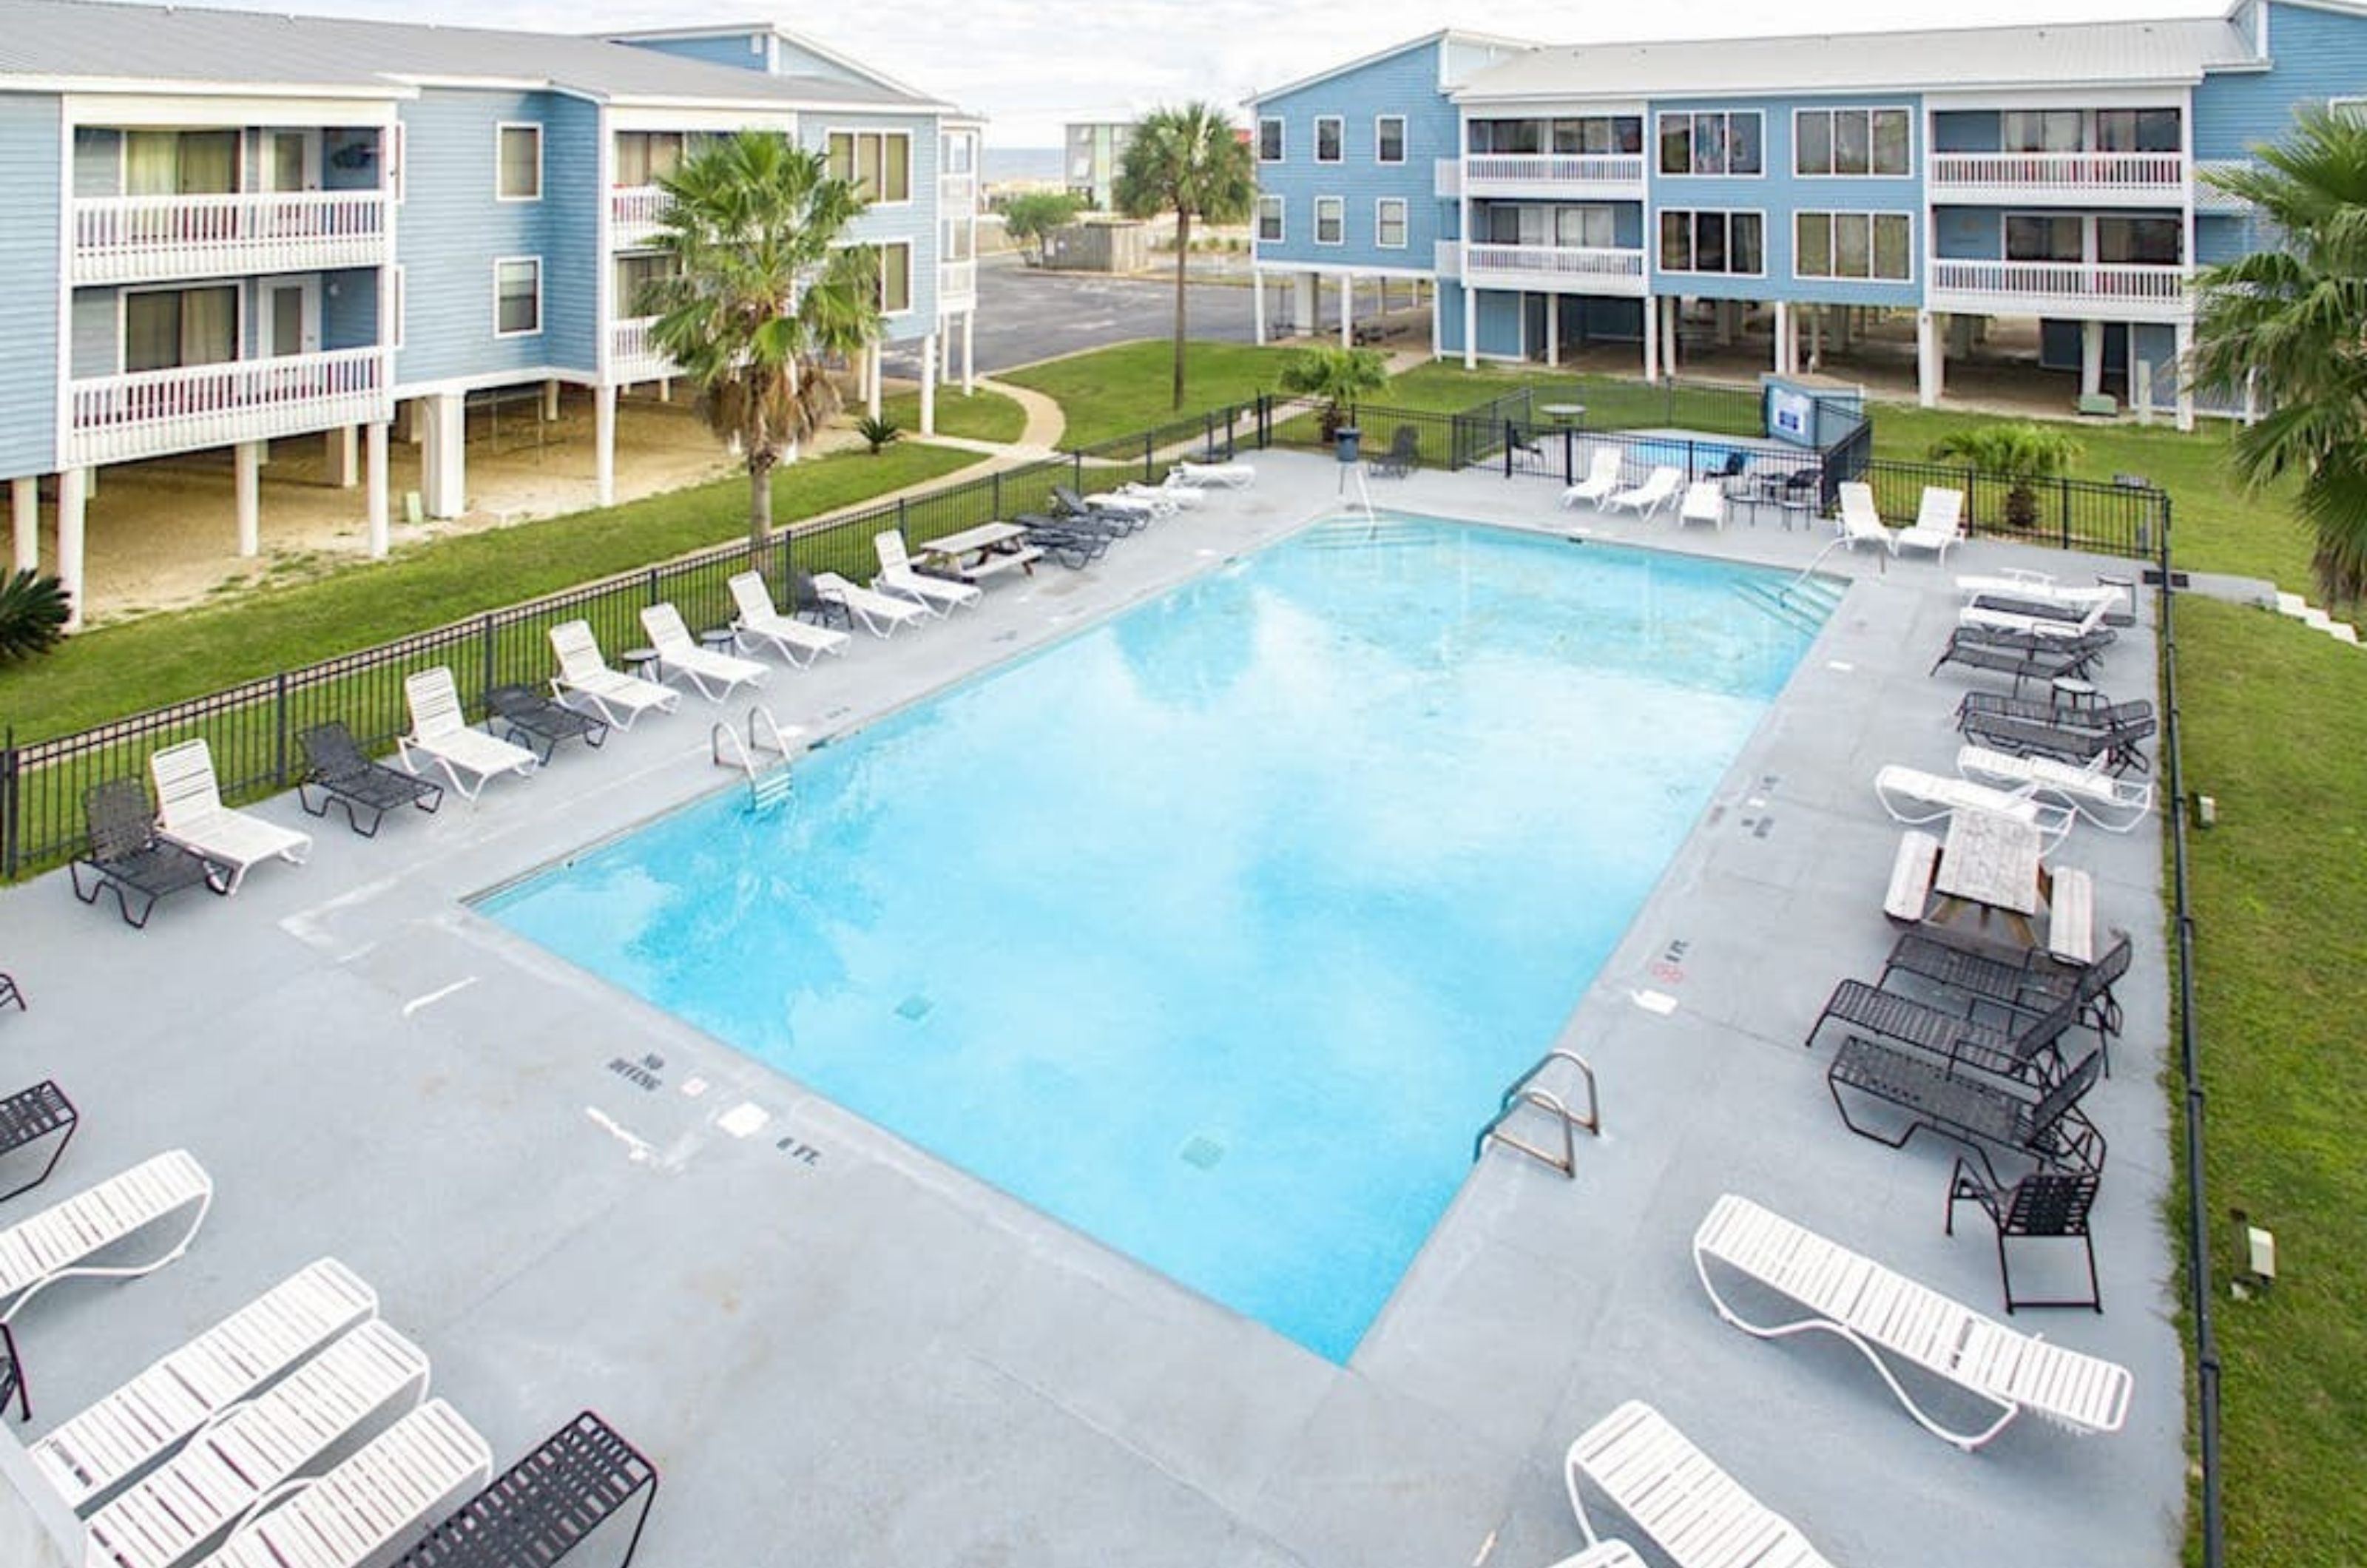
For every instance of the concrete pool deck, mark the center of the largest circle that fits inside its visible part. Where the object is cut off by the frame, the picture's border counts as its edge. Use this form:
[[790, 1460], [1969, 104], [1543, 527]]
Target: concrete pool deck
[[838, 1348]]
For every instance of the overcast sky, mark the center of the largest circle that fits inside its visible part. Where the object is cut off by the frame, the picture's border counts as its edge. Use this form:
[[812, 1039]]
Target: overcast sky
[[1030, 66]]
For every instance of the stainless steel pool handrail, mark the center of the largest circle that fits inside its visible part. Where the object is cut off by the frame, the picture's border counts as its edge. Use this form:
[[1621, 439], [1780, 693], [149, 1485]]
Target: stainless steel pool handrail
[[1525, 1092]]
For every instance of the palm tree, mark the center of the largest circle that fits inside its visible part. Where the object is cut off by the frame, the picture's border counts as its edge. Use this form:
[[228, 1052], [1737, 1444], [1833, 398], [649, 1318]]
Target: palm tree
[[1188, 162], [2021, 452], [1338, 376], [761, 292], [2295, 315]]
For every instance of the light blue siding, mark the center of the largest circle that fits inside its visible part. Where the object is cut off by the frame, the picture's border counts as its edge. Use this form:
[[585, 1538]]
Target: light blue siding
[[29, 160], [1500, 321], [2318, 55], [914, 221], [95, 318], [572, 265], [2225, 236], [717, 48], [349, 159], [789, 59], [1405, 83]]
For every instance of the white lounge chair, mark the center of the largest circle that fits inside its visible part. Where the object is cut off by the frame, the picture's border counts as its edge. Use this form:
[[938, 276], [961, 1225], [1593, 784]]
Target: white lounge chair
[[2035, 625], [1705, 502], [936, 594], [2106, 800], [584, 672], [1678, 1496], [408, 1477], [716, 673], [1171, 496], [1602, 479], [1659, 489], [190, 813], [1939, 523], [1860, 522], [1884, 1314], [2038, 587], [60, 1242], [441, 733], [88, 1455], [760, 619], [1913, 796], [880, 613], [236, 1461], [1232, 476]]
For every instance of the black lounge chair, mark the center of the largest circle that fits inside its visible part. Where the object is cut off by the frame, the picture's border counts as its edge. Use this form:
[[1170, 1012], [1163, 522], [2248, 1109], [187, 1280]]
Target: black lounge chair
[[2023, 656], [1979, 1110], [2067, 735], [808, 603], [1125, 519], [1067, 539], [2029, 986], [9, 993], [126, 854], [1403, 456], [336, 771], [2080, 713], [31, 1114], [540, 723], [544, 1506], [2022, 1048], [2044, 1205]]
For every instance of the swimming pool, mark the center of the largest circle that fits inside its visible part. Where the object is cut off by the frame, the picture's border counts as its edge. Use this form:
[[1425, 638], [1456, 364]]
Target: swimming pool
[[1216, 931]]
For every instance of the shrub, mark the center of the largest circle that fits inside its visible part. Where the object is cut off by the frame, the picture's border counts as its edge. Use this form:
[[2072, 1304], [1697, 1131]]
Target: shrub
[[878, 433], [33, 611]]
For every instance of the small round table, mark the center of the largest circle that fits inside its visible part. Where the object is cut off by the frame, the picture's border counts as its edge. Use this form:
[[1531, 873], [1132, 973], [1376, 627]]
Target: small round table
[[640, 661], [718, 640], [1569, 416]]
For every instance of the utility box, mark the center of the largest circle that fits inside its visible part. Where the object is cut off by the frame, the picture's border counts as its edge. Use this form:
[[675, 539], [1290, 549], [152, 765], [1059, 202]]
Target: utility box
[[1123, 246]]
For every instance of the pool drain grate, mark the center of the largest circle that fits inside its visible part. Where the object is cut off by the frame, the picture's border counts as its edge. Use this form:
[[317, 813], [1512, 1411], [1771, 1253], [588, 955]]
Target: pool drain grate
[[915, 1008], [1201, 1152]]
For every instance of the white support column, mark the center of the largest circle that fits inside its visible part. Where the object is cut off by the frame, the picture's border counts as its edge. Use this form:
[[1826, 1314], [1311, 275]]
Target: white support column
[[24, 501], [341, 463], [247, 468], [1438, 326], [603, 444], [1674, 305], [1470, 326], [2091, 358], [929, 385], [871, 380], [1304, 298], [70, 496], [1347, 307], [1257, 307], [2252, 396], [969, 349], [1783, 335], [550, 400], [1816, 335], [665, 389], [2185, 339], [374, 487], [1553, 331], [1931, 362], [444, 454], [1651, 338]]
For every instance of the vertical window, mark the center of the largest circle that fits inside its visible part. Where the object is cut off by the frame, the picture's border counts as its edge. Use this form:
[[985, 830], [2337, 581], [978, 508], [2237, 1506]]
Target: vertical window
[[895, 277], [2041, 130], [518, 173], [2045, 238], [635, 274], [165, 328], [1329, 137], [1712, 143], [1852, 245], [1389, 223], [1331, 218], [1713, 241], [645, 157], [1269, 219], [1389, 139], [2150, 240], [1270, 139], [1851, 141], [180, 163], [517, 296], [1584, 228], [877, 164]]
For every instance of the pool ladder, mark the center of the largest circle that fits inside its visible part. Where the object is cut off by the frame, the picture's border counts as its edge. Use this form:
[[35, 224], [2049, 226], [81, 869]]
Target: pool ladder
[[1527, 1093], [767, 787]]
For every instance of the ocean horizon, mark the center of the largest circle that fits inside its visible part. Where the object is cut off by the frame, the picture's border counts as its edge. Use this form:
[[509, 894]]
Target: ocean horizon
[[1021, 163]]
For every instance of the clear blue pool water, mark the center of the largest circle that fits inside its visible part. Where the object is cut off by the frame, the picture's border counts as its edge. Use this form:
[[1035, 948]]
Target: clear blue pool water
[[1706, 457], [1216, 931]]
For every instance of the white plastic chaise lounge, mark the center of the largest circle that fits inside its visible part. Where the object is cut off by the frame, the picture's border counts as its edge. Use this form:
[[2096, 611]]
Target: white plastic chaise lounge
[[189, 812], [234, 1463], [897, 575], [717, 675], [880, 613], [1234, 474], [442, 734], [584, 672], [1914, 797], [1602, 479], [1171, 493], [2108, 801], [1861, 520], [2040, 587], [2065, 626], [1659, 489], [760, 619], [1692, 1511], [409, 1476], [1705, 502], [88, 1455], [60, 1242], [1885, 1315], [1939, 523]]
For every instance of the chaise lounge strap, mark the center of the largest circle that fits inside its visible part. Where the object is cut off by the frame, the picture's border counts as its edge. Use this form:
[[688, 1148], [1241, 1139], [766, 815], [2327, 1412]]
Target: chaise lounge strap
[[545, 1505]]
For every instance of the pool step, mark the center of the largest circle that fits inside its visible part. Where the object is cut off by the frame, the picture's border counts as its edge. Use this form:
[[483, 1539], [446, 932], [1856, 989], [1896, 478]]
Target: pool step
[[1803, 603], [769, 789], [1359, 534]]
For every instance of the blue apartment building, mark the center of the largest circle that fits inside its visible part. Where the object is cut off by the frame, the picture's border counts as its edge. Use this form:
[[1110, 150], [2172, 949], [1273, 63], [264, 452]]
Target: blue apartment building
[[230, 228], [1651, 195]]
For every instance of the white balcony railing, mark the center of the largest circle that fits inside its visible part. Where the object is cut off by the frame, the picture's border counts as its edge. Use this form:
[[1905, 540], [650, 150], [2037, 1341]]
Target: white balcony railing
[[634, 212], [957, 194], [130, 238], [1446, 179], [2147, 288], [1446, 257], [148, 414], [633, 357], [1577, 268], [1484, 171], [956, 283], [2152, 177]]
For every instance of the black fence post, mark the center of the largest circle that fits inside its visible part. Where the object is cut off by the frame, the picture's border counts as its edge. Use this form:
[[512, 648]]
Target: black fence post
[[9, 803], [1508, 448], [485, 658], [903, 517], [998, 494], [2063, 487], [1150, 444], [279, 735], [1077, 469]]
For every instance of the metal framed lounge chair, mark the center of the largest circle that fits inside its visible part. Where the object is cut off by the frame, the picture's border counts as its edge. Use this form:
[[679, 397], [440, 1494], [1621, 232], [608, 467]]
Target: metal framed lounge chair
[[336, 771], [2023, 1047], [537, 722], [584, 672], [759, 620], [2023, 657], [715, 673], [2115, 804], [1126, 517], [1234, 474], [356, 1515], [1403, 456], [898, 576], [547, 1503], [1693, 1511], [1660, 489], [1705, 502], [1888, 1318], [1939, 523], [2015, 586], [1602, 479], [2036, 620], [2081, 739], [11, 992], [1072, 547], [125, 854], [90, 1454], [440, 733], [880, 613], [2045, 1205], [1861, 521], [190, 811], [31, 1115], [61, 1241], [1975, 975], [1914, 797], [1979, 1110]]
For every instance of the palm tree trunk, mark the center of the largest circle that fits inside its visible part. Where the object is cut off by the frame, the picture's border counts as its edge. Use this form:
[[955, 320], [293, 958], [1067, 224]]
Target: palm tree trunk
[[760, 503], [1183, 251]]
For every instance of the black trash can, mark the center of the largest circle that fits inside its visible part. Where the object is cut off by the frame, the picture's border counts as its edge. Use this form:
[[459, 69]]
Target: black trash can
[[1348, 437]]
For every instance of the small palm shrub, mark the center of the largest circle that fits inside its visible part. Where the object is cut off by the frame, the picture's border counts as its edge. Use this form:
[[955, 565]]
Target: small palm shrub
[[2017, 453], [1338, 375], [33, 611], [878, 433]]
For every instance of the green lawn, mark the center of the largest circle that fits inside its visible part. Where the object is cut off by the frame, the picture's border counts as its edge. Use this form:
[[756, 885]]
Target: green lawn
[[114, 671], [2275, 718], [981, 416], [1109, 393]]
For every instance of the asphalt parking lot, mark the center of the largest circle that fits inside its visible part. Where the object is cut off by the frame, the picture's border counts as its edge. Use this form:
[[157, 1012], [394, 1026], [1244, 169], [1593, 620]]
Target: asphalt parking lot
[[1024, 315]]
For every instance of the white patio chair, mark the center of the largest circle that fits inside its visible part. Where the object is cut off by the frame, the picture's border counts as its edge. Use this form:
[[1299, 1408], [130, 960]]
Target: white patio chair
[[355, 1517], [583, 672], [1233, 476], [1660, 489], [1705, 502], [716, 673], [1939, 523], [760, 619], [2107, 801], [441, 733], [936, 594], [190, 813], [2015, 584], [1171, 496], [880, 613], [1692, 1511], [1913, 797], [1602, 479], [1861, 522]]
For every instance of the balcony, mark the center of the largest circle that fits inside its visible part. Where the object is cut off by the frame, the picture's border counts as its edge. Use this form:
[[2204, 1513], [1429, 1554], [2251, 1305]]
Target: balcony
[[1613, 175], [634, 214], [1560, 269], [2115, 291], [2082, 179], [957, 194], [633, 357], [118, 418], [138, 239], [956, 285]]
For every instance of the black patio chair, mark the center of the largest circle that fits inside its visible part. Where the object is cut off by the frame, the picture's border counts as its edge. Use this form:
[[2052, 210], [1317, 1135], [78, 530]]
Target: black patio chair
[[335, 771], [540, 723], [1077, 535], [31, 1114], [1403, 456], [1979, 1111], [9, 993], [2022, 655], [2084, 711], [806, 602], [1125, 519], [2044, 1205], [125, 853], [2029, 986], [2083, 739], [541, 1507], [2024, 1047]]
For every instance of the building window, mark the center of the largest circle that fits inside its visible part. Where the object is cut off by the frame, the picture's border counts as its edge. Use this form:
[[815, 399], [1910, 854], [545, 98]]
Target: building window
[[2039, 131], [180, 163], [2137, 131], [1851, 141], [517, 296], [895, 277], [165, 328], [645, 157], [2043, 237], [1329, 138], [1270, 139], [1269, 219], [2151, 241], [1331, 220], [1599, 134], [1712, 143], [1389, 139], [1585, 227], [635, 274], [877, 164], [1852, 245], [519, 174], [1729, 242], [1389, 223]]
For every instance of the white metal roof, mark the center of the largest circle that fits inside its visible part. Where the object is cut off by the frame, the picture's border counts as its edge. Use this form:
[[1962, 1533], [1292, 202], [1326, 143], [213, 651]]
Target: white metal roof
[[1443, 35]]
